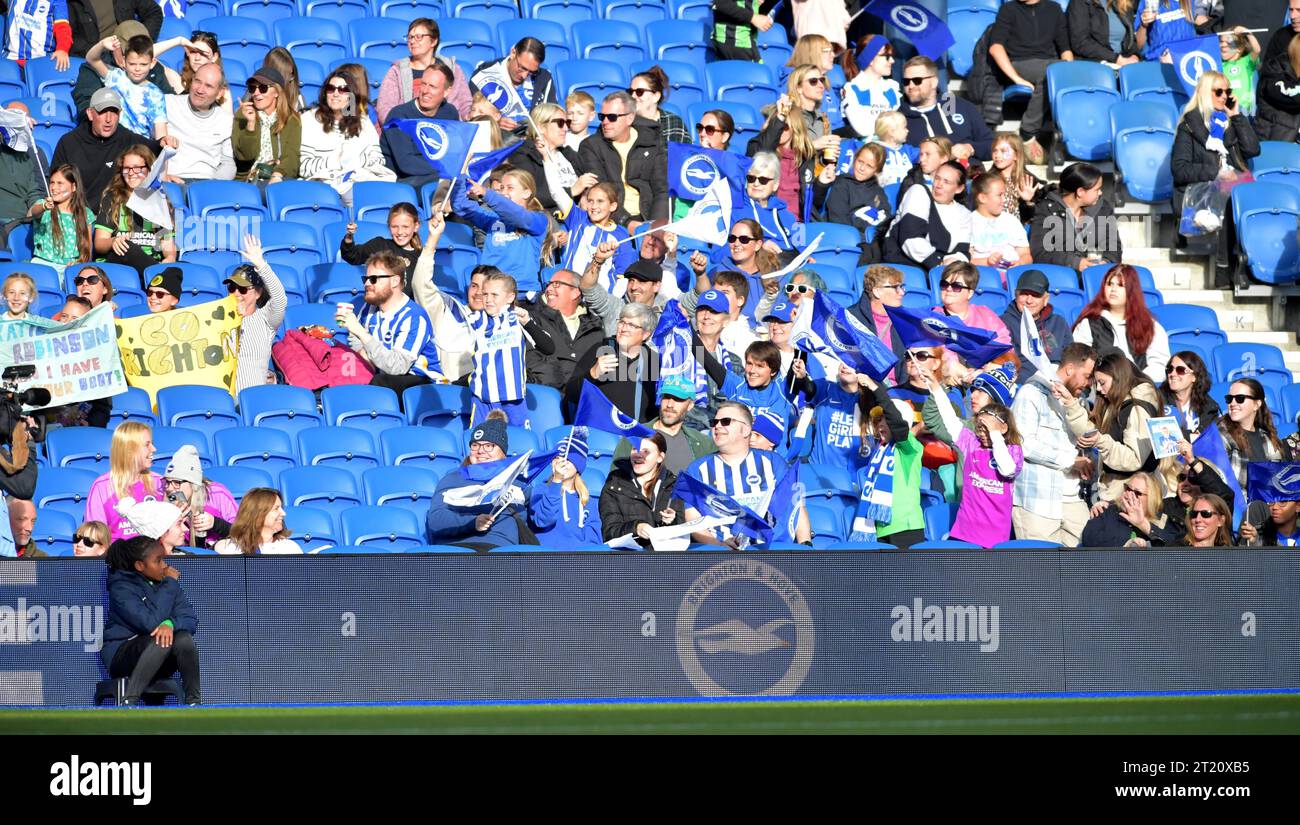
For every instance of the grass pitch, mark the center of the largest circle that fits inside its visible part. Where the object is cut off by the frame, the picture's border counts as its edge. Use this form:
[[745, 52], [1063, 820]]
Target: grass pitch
[[1251, 714]]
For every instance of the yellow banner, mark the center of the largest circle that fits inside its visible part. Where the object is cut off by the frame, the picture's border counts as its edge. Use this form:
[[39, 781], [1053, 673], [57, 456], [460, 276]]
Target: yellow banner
[[190, 345]]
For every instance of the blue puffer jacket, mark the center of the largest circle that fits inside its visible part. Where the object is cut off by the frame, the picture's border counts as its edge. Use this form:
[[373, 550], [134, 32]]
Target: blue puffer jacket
[[136, 606], [446, 524]]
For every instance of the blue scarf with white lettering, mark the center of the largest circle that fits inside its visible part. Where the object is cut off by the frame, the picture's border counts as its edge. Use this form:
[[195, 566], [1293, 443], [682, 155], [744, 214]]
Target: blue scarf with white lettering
[[1218, 128], [878, 487]]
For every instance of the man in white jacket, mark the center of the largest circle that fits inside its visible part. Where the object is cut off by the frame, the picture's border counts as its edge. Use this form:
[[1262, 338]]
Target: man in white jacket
[[203, 129]]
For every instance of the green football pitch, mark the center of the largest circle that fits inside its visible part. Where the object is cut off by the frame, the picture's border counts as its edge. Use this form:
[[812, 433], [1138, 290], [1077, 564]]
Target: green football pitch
[[1142, 715]]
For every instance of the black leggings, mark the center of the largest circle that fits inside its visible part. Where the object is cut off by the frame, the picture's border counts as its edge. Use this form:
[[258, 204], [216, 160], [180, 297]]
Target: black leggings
[[141, 660], [905, 539]]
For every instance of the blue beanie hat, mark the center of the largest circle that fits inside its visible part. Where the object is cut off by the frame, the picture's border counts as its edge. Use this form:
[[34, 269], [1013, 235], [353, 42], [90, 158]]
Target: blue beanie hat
[[999, 383], [573, 447], [492, 431], [771, 426]]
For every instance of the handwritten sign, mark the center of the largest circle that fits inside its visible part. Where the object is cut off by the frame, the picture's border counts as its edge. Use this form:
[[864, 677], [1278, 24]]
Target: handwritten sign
[[193, 345], [77, 361]]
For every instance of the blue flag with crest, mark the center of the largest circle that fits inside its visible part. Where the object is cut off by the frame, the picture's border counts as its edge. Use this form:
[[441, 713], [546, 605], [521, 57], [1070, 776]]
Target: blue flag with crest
[[1194, 57], [1272, 481], [927, 328], [693, 169], [709, 501], [483, 164], [1209, 446], [924, 28], [787, 504], [444, 143], [824, 327], [597, 412]]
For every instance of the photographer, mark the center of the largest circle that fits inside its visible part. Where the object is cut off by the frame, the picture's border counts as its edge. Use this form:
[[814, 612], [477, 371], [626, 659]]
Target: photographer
[[17, 458]]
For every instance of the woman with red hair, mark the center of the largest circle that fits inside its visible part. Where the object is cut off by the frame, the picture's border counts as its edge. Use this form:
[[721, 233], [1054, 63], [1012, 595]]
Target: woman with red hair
[[1117, 318]]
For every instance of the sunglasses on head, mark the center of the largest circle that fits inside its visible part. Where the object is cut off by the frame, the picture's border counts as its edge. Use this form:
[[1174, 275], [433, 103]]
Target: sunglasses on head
[[916, 81], [759, 179], [953, 286], [258, 88], [86, 279], [1239, 399], [725, 421], [1177, 370], [710, 129], [1205, 514], [610, 117], [802, 289], [84, 540], [741, 239]]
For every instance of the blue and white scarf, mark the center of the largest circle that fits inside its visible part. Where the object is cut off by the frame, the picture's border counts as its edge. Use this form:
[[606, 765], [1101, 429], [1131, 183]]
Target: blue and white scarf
[[878, 487], [1218, 128]]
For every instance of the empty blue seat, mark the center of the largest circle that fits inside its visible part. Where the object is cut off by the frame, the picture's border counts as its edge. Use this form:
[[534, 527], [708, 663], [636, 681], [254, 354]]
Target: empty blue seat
[[469, 41], [685, 41], [317, 275], [63, 489], [564, 12], [378, 38], [206, 409], [197, 11], [225, 198], [245, 38], [938, 520], [617, 41], [1198, 324], [371, 200], [420, 446], [133, 404], [774, 47], [83, 448], [42, 77], [1266, 215], [310, 203], [286, 242], [408, 10], [694, 10], [341, 288], [168, 440], [1081, 94], [1150, 81], [1291, 402], [373, 409], [53, 532], [967, 25], [239, 480], [1238, 360], [325, 488], [268, 11], [1277, 162], [49, 111], [595, 77], [640, 13], [1143, 143], [554, 35], [739, 81], [492, 12], [342, 447], [381, 528], [827, 525], [262, 448], [431, 405], [279, 406], [404, 487], [312, 527], [11, 78], [340, 11]]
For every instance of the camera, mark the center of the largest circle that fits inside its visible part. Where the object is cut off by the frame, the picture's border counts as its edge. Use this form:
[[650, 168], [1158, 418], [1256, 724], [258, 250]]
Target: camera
[[12, 400]]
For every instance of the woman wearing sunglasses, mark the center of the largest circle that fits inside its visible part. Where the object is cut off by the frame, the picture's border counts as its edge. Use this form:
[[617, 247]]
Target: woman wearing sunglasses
[[1209, 523], [763, 206], [339, 146], [1248, 430], [1184, 477], [267, 133], [1137, 519], [871, 90], [746, 253], [814, 50], [93, 284], [793, 289], [1214, 141], [957, 284], [799, 134], [649, 89], [1186, 394], [91, 539], [545, 147], [715, 129], [261, 302], [121, 235]]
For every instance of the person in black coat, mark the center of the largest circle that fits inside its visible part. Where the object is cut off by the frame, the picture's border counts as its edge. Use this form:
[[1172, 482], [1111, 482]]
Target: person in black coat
[[638, 494], [859, 201], [1278, 95], [1089, 24], [1214, 141], [1075, 204], [88, 29], [1136, 516], [625, 368], [554, 124], [645, 168], [561, 300]]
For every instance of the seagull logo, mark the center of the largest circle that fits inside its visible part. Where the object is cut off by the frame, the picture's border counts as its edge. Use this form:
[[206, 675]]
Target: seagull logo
[[722, 506], [699, 173], [623, 422], [433, 140], [1287, 482], [908, 18], [939, 328], [1194, 64], [734, 636]]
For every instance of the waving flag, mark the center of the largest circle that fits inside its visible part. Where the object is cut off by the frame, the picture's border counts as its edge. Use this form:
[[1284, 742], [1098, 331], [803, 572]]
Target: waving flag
[[799, 261], [692, 170], [491, 490], [597, 412], [709, 218], [672, 338], [924, 28], [822, 326], [1210, 447], [927, 328], [1194, 57], [148, 200], [711, 502], [444, 143], [15, 131], [1271, 481], [786, 504], [482, 165], [1031, 345]]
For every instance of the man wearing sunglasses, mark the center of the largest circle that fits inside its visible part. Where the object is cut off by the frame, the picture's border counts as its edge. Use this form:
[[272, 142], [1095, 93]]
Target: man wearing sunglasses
[[516, 83], [930, 114], [1026, 37], [627, 153], [96, 144], [203, 129]]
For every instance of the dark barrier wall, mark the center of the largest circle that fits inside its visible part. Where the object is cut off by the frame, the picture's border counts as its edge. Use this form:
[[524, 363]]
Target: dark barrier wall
[[547, 626]]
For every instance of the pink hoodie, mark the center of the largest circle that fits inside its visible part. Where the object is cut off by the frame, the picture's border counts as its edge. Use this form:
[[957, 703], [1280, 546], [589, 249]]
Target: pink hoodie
[[101, 504], [390, 91]]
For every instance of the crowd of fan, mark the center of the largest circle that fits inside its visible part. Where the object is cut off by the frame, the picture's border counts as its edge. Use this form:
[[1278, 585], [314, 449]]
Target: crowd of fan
[[561, 298]]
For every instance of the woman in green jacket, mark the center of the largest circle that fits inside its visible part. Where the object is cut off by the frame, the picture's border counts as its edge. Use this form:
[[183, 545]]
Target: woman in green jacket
[[267, 134]]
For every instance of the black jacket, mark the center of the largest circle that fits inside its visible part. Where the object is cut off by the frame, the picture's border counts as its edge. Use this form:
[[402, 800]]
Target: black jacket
[[1110, 530], [647, 169], [529, 159], [952, 117], [1037, 32], [623, 506], [358, 255], [85, 26], [94, 156], [1278, 95], [1211, 484], [1098, 228], [621, 389], [556, 369], [1089, 23], [1193, 163], [844, 198]]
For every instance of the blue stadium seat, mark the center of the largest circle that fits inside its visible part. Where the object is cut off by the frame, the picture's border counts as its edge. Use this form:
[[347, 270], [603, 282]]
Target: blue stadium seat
[[342, 287], [279, 406], [640, 13], [318, 275], [1192, 324], [287, 242], [262, 448], [828, 484], [827, 525], [408, 10], [311, 74], [1081, 94], [377, 38], [595, 77], [42, 77], [614, 40], [564, 12], [354, 550], [1143, 144], [342, 447], [967, 25], [381, 528], [373, 409], [239, 480], [684, 41], [246, 38], [420, 446], [432, 405], [319, 40], [1026, 544], [312, 528], [407, 488], [519, 439], [1290, 403], [492, 12], [372, 199], [47, 278], [198, 11], [1237, 360], [19, 245], [554, 35], [63, 489], [1266, 215], [1150, 81], [50, 111], [1277, 162], [84, 448], [326, 488], [225, 198], [938, 520], [268, 11], [340, 11], [11, 78], [53, 532], [1094, 277], [739, 81], [544, 407], [774, 47], [439, 548], [132, 405], [167, 440], [206, 409], [698, 11], [748, 121], [469, 41]]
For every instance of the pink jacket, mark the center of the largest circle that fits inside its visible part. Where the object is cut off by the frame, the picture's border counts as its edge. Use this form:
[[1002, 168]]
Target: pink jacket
[[980, 317], [312, 363], [101, 504], [829, 18], [392, 94]]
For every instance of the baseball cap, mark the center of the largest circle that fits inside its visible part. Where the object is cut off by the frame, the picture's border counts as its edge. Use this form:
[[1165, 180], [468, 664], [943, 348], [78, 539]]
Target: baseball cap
[[1032, 280], [240, 277], [715, 301], [269, 74], [677, 386], [782, 311], [128, 29], [104, 99]]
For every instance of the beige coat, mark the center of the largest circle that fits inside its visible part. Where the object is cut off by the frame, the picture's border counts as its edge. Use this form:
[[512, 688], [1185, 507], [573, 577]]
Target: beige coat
[[1125, 455]]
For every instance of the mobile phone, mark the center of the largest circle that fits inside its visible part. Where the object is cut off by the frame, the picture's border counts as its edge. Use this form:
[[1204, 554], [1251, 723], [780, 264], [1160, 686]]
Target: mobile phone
[[1231, 101], [1089, 434]]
